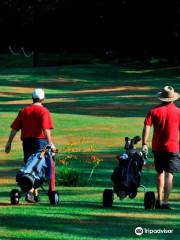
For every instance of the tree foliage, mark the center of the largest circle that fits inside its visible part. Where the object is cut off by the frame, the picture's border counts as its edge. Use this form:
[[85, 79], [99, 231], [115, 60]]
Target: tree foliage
[[125, 25]]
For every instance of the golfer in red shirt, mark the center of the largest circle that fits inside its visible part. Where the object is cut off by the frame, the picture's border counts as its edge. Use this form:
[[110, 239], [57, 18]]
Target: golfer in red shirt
[[165, 120], [35, 124]]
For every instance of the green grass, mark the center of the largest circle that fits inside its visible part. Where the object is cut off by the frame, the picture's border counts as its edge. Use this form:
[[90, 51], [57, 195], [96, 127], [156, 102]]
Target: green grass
[[100, 104]]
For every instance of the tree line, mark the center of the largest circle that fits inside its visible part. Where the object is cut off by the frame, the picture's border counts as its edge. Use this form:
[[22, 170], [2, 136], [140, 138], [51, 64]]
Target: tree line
[[129, 27]]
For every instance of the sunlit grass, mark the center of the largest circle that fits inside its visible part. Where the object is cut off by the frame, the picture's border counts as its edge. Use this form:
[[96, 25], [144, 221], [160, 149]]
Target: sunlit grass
[[101, 104]]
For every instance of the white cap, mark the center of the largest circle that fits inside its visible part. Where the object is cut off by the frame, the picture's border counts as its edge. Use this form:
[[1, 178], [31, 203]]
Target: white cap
[[38, 93]]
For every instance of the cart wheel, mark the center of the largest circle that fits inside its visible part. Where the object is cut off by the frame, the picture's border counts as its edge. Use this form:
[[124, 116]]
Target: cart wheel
[[122, 195], [108, 198], [15, 196], [54, 197], [149, 200], [133, 194]]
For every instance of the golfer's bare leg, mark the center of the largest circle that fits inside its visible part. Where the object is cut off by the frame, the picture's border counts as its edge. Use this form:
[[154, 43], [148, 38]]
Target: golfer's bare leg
[[160, 186], [167, 186]]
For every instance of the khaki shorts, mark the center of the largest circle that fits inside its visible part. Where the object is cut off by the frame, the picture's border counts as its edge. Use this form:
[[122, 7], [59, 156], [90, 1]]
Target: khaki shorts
[[166, 161]]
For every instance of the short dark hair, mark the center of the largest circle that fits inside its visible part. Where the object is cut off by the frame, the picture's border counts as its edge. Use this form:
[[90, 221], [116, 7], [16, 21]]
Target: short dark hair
[[36, 100]]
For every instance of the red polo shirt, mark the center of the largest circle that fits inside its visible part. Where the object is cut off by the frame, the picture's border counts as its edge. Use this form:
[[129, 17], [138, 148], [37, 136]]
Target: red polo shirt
[[32, 120], [166, 122]]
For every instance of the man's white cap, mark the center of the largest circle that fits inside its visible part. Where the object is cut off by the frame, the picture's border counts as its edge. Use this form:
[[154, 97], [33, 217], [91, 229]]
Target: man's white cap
[[38, 93]]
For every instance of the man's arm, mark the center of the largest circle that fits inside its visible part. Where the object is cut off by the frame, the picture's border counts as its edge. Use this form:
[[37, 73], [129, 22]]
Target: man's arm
[[47, 133], [145, 134], [11, 137]]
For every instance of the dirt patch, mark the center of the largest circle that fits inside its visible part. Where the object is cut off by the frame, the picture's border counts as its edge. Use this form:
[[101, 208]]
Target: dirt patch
[[4, 181], [60, 81], [16, 102], [15, 90], [115, 89]]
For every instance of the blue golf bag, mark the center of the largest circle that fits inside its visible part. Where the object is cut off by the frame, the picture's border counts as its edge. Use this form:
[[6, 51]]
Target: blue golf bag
[[34, 173], [39, 168]]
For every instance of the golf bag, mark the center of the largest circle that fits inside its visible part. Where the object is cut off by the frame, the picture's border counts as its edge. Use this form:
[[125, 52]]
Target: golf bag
[[34, 173], [126, 177], [39, 168]]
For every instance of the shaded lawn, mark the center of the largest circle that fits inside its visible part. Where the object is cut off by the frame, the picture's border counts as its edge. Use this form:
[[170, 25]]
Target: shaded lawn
[[101, 104], [81, 216]]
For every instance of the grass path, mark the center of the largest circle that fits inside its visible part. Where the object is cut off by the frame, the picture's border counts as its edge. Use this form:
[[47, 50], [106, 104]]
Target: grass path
[[100, 104]]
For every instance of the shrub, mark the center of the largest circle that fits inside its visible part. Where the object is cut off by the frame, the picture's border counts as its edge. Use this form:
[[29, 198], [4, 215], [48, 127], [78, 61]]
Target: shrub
[[68, 177], [68, 158]]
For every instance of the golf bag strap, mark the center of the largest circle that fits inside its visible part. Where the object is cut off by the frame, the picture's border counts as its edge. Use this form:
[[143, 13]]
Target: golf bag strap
[[34, 168]]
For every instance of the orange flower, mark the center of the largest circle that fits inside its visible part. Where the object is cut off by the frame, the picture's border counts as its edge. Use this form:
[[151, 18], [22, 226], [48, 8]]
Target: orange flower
[[93, 158], [62, 162]]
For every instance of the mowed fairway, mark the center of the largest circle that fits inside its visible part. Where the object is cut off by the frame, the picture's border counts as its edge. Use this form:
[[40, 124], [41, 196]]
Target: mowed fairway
[[100, 104]]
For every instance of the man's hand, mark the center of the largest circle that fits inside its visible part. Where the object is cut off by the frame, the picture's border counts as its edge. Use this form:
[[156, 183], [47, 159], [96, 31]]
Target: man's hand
[[144, 149], [8, 147], [51, 145]]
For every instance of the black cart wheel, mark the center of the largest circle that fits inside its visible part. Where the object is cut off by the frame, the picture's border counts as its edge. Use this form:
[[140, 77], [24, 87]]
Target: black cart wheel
[[149, 200], [133, 194], [54, 197], [15, 196], [108, 198]]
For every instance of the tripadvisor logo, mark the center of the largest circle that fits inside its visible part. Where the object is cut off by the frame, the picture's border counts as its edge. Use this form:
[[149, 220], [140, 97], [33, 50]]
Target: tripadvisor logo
[[139, 231]]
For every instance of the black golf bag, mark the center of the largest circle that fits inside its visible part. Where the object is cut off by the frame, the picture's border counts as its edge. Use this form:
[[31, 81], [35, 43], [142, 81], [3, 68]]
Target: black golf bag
[[126, 176]]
